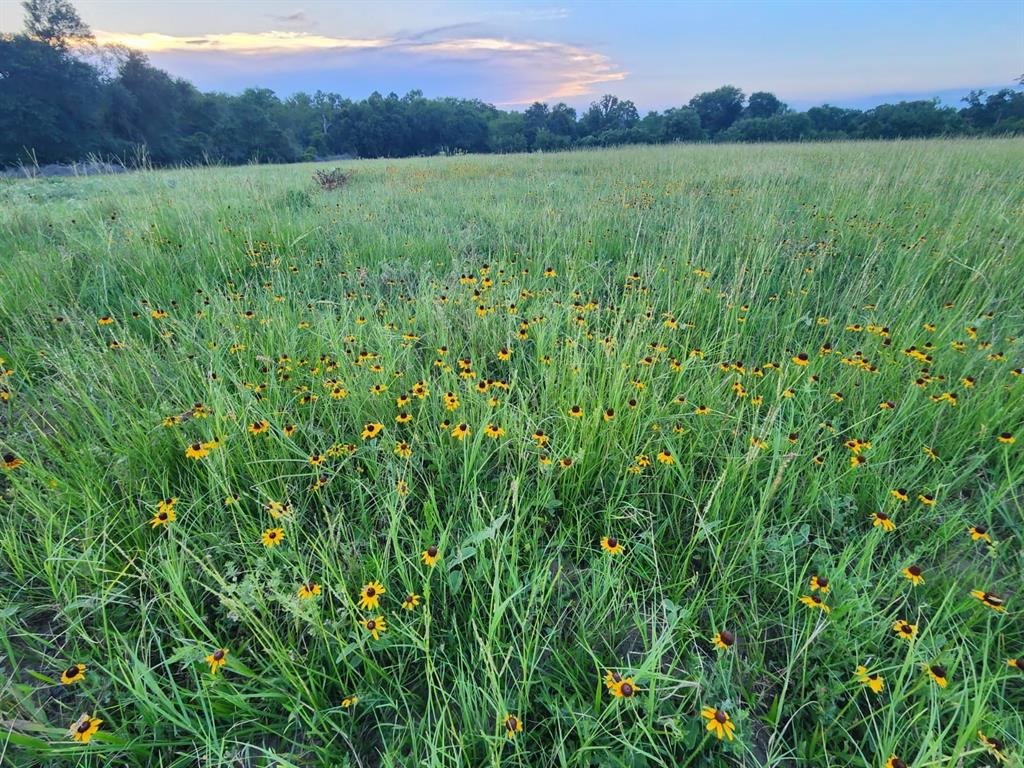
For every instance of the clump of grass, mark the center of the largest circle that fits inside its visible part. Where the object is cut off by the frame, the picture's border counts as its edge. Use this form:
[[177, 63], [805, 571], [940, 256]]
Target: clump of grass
[[590, 459]]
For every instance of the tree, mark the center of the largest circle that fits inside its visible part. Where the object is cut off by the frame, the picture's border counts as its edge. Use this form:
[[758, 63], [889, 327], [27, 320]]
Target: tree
[[718, 109], [764, 104], [683, 124], [55, 22]]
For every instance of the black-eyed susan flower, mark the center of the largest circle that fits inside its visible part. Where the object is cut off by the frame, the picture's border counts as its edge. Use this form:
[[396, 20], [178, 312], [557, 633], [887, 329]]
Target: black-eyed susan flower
[[612, 679], [371, 430], [883, 521], [926, 498], [665, 457], [724, 640], [197, 451], [460, 431], [369, 596], [905, 629], [493, 431], [980, 533], [815, 603], [718, 723], [513, 725], [1006, 438], [259, 427], [937, 672], [411, 601], [73, 674], [871, 680], [900, 494], [309, 590], [995, 747], [624, 688], [800, 359], [375, 626], [430, 556], [272, 537], [820, 582], [217, 659], [349, 701], [403, 449], [612, 545], [895, 762], [11, 462], [84, 728], [990, 599], [164, 516], [913, 572]]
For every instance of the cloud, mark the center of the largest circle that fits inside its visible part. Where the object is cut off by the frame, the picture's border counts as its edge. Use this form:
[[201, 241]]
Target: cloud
[[526, 70], [299, 17]]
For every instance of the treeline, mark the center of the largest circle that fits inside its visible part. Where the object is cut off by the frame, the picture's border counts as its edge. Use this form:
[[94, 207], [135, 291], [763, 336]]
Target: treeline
[[57, 105]]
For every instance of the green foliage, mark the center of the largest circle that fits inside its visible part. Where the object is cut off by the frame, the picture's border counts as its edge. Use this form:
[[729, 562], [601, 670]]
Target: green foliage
[[250, 290]]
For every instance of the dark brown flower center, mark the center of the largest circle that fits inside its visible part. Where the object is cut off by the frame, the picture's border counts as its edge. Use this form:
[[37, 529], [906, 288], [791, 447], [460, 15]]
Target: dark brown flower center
[[218, 655], [71, 671], [370, 591], [84, 726], [616, 677], [432, 551], [981, 529], [822, 581], [627, 690], [720, 716], [882, 516], [8, 458], [371, 625], [612, 542], [938, 670], [906, 629], [726, 637], [162, 516], [897, 763], [511, 723]]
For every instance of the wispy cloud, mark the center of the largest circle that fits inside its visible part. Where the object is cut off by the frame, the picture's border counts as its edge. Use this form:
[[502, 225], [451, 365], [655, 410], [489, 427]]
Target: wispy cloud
[[541, 70]]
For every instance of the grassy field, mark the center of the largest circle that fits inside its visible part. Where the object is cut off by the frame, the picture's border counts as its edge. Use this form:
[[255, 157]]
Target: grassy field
[[698, 435]]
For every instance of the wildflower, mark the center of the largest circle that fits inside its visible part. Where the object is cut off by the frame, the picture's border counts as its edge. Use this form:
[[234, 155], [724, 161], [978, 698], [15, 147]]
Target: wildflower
[[913, 572], [724, 640], [164, 515], [576, 412], [289, 430], [460, 431], [608, 414], [411, 601], [991, 599], [979, 533], [73, 674], [403, 449], [926, 499], [1006, 438], [402, 488], [375, 626], [622, 688], [937, 672], [430, 556], [820, 582], [540, 438], [494, 432], [995, 746], [800, 359], [11, 462], [404, 417], [900, 494], [272, 537], [665, 457], [881, 520], [371, 430], [718, 722], [309, 590], [513, 725], [259, 427], [349, 701], [612, 545], [905, 630], [813, 601], [217, 659], [369, 597], [895, 762], [872, 680], [196, 451], [84, 728]]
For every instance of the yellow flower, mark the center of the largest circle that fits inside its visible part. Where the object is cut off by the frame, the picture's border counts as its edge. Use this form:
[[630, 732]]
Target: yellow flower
[[724, 640], [272, 537], [196, 451], [718, 722], [913, 572], [371, 430], [905, 630], [430, 556], [895, 762], [369, 597], [460, 431], [84, 728], [375, 626], [882, 520], [813, 601], [937, 672], [73, 674], [995, 747], [872, 680], [493, 432], [217, 659], [820, 582], [666, 457], [349, 701], [991, 599], [164, 516], [411, 601], [611, 545], [309, 590], [513, 725]]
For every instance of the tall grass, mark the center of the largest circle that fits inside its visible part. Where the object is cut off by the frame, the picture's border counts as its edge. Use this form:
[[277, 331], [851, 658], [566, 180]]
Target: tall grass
[[755, 255]]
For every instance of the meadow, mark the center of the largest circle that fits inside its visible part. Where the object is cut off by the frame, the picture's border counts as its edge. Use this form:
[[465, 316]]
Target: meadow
[[667, 456]]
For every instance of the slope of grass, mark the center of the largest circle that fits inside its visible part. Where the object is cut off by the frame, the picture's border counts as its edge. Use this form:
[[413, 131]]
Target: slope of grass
[[268, 324]]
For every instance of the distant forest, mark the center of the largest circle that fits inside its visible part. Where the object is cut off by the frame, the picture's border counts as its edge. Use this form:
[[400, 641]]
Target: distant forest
[[63, 100]]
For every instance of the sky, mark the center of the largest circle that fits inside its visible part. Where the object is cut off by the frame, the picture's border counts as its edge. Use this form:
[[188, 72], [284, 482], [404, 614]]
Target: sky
[[658, 54]]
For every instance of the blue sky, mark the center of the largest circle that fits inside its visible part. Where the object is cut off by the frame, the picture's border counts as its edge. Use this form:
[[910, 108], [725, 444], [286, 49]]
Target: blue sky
[[656, 53]]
